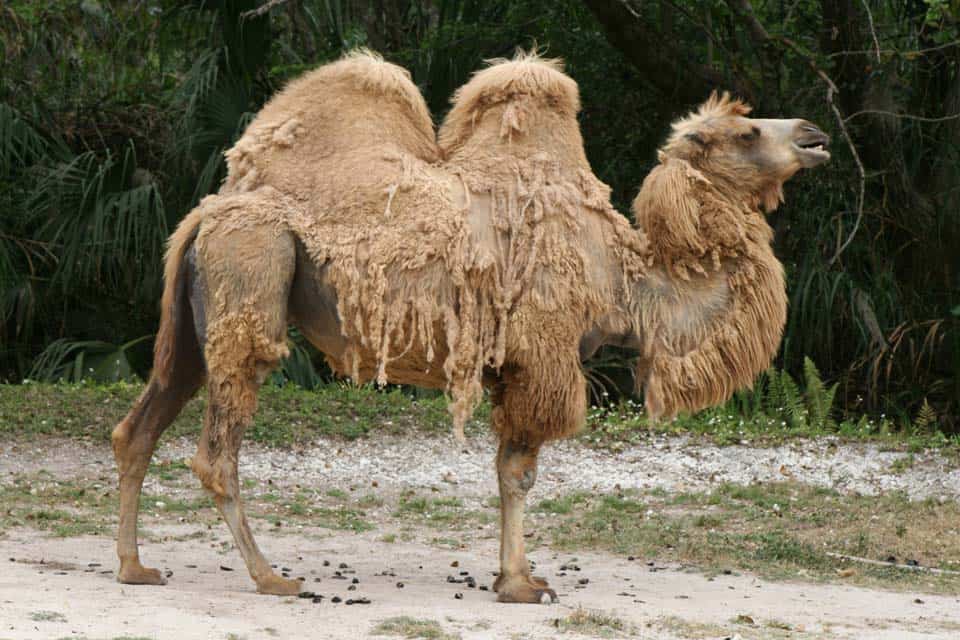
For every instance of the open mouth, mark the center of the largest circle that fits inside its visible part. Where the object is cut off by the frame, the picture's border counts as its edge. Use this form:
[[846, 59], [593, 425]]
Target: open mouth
[[813, 149]]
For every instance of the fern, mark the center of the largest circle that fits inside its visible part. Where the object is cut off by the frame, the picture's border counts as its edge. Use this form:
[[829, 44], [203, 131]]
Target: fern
[[793, 409], [775, 399], [926, 419], [819, 399]]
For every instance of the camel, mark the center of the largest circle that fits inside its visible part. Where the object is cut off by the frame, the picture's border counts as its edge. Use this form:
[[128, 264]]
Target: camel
[[484, 258]]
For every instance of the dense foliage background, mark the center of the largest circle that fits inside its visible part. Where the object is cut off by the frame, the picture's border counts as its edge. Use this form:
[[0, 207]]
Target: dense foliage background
[[114, 117]]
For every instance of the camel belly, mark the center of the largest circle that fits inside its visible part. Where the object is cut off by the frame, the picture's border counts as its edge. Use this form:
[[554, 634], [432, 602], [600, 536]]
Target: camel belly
[[313, 310]]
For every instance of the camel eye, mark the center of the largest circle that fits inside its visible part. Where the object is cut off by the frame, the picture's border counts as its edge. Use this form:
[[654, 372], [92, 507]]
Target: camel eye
[[753, 134]]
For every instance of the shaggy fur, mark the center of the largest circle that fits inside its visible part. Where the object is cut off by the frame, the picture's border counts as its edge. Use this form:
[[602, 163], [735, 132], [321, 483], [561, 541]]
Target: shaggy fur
[[704, 213], [481, 260]]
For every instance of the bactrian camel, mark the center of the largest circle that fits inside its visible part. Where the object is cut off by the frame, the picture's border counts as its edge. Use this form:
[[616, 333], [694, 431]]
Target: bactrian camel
[[485, 257]]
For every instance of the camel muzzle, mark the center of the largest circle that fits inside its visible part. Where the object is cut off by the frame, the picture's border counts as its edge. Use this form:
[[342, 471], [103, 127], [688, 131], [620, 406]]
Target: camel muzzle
[[811, 144]]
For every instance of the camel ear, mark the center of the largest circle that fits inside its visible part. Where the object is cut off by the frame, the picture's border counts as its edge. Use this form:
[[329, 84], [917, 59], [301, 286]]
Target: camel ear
[[697, 138], [668, 208]]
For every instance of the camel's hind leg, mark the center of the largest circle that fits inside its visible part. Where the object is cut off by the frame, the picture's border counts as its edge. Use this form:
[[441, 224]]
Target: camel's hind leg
[[247, 273], [135, 438]]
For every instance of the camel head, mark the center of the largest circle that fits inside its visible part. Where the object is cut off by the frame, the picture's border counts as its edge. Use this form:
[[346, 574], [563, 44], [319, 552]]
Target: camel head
[[708, 313], [753, 154]]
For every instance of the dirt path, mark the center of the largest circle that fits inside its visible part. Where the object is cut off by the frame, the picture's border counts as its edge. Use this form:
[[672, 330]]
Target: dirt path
[[205, 602], [64, 587]]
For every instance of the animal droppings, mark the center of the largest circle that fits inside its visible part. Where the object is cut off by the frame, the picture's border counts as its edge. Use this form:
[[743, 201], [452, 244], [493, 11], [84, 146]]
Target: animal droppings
[[225, 568], [458, 596]]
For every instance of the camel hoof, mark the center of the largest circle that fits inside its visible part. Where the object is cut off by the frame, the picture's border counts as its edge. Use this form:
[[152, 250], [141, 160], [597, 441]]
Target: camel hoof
[[536, 581], [274, 585], [526, 589], [136, 573]]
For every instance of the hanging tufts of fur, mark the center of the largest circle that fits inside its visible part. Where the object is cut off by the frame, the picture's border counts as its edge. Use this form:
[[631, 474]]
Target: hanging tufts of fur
[[485, 260], [708, 244]]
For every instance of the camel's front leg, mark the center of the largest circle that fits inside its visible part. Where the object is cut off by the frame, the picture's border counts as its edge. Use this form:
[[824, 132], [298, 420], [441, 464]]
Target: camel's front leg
[[517, 471]]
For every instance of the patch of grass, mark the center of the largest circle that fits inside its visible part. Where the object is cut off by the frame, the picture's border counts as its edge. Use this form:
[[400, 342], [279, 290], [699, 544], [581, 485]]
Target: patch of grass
[[596, 624], [47, 616], [286, 415], [742, 419], [289, 415], [902, 464], [64, 508], [170, 470], [447, 512], [776, 529], [561, 504], [407, 627]]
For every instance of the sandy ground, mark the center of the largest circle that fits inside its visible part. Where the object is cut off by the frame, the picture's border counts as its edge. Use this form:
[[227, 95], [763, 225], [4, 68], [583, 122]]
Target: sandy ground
[[73, 577], [204, 602]]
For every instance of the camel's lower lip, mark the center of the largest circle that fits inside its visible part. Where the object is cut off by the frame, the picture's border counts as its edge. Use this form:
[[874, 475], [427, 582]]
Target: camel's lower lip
[[813, 155]]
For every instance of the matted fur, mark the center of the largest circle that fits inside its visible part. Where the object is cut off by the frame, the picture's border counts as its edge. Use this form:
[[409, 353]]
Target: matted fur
[[710, 236], [498, 248], [500, 256]]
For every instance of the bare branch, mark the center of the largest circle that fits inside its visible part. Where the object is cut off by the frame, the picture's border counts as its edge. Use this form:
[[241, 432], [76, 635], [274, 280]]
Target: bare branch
[[908, 54], [832, 90], [901, 116], [262, 9], [873, 30], [880, 563]]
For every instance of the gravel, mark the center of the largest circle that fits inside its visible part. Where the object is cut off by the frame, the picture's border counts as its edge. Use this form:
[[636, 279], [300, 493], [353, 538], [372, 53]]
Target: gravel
[[395, 463]]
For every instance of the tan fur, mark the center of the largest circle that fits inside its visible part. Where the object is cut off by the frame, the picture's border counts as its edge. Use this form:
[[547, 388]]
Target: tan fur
[[445, 268], [709, 235], [479, 261], [177, 247]]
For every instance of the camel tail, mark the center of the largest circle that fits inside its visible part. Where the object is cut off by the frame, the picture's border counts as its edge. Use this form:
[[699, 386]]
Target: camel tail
[[174, 306]]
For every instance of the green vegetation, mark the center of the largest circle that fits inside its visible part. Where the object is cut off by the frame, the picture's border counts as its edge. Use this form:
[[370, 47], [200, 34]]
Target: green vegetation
[[780, 530], [47, 616], [289, 415], [62, 507], [407, 627], [777, 408], [286, 415], [595, 624], [114, 118]]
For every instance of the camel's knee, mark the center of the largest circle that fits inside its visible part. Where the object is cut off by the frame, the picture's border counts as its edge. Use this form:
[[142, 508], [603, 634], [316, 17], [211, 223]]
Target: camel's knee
[[517, 468], [120, 439], [217, 474]]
